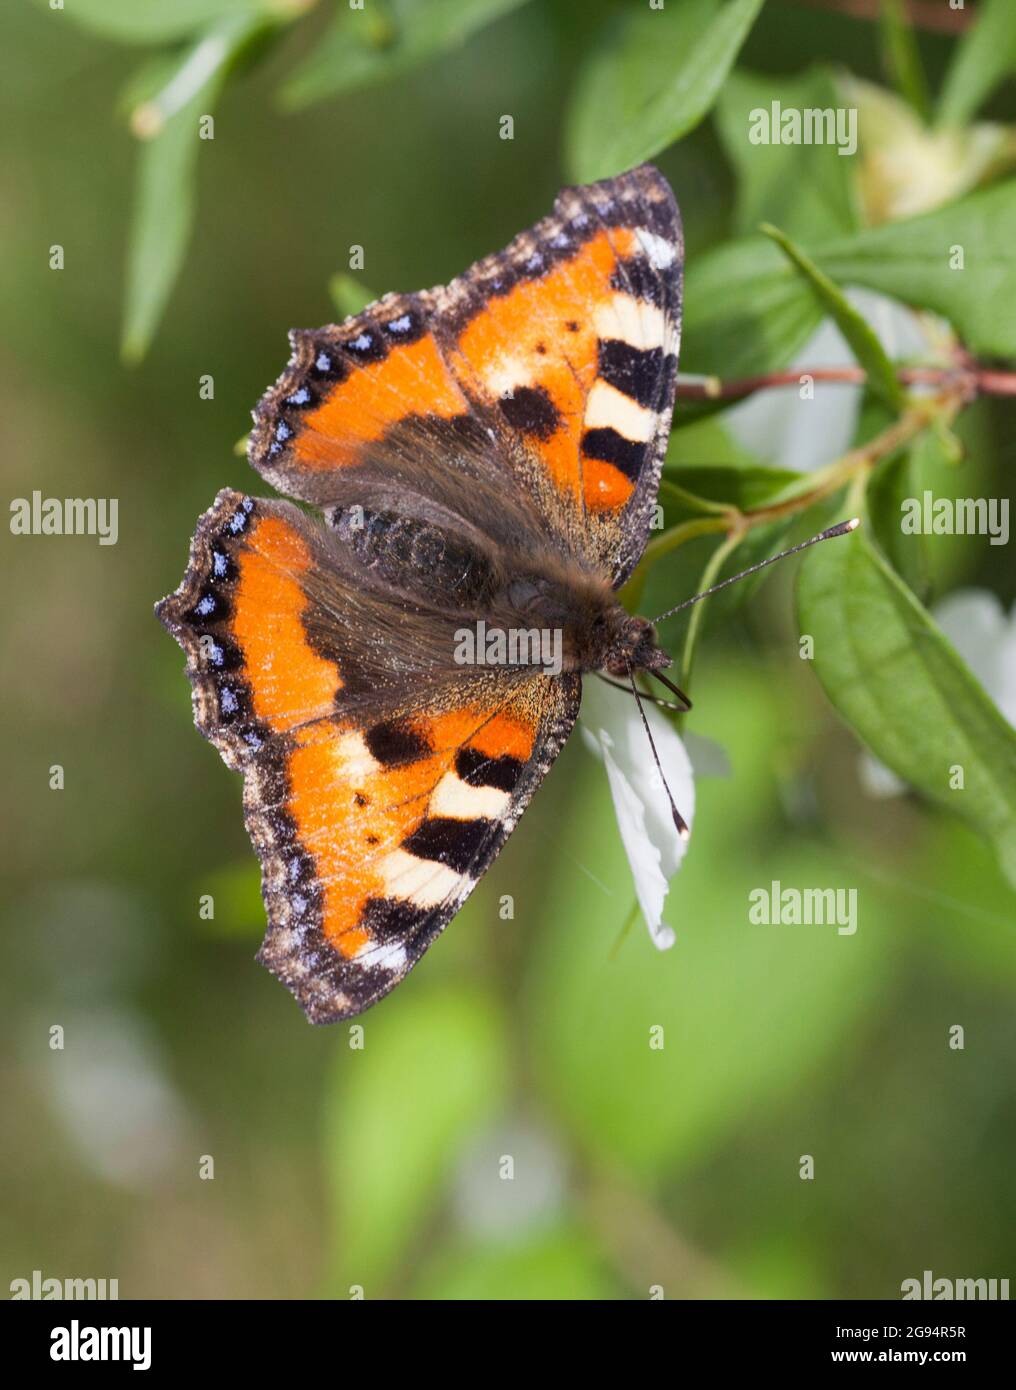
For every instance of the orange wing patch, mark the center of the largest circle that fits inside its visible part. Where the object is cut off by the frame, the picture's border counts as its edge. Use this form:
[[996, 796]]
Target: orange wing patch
[[390, 827], [289, 682], [370, 834], [364, 406], [345, 388], [535, 349], [570, 335], [358, 796], [238, 614]]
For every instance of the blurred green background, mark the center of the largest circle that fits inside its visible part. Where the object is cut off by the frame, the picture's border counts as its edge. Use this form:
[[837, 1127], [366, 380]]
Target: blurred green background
[[381, 1167]]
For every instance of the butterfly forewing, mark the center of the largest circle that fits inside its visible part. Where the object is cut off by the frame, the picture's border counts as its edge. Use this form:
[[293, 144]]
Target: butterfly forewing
[[556, 358]]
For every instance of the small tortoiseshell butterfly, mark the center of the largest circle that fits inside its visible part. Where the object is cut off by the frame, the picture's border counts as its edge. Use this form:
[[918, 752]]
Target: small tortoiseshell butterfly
[[483, 453]]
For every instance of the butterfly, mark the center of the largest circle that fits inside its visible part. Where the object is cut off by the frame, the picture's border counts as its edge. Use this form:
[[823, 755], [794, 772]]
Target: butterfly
[[482, 460]]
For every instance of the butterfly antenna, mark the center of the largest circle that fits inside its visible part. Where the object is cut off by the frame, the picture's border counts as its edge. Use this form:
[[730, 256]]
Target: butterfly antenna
[[842, 528], [680, 823]]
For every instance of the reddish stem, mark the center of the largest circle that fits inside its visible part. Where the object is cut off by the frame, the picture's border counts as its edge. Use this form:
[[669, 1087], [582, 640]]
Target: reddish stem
[[933, 15], [973, 380]]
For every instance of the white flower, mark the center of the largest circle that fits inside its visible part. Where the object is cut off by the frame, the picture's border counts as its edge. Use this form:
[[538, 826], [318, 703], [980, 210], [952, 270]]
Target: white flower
[[612, 729], [976, 624], [907, 168]]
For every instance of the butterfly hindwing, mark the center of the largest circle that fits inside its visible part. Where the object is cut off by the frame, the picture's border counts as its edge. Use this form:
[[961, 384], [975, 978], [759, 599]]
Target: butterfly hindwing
[[399, 821], [373, 818]]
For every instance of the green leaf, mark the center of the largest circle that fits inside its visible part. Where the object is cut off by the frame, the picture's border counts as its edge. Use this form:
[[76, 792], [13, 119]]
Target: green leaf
[[746, 311], [348, 295], [930, 565], [165, 195], [160, 21], [984, 57], [431, 1073], [807, 189], [745, 488], [901, 686], [911, 261], [922, 465], [383, 40], [702, 441], [861, 338], [902, 58], [651, 76], [673, 582]]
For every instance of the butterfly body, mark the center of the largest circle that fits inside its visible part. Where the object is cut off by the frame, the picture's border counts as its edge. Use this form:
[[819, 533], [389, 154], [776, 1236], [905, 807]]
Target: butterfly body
[[395, 679]]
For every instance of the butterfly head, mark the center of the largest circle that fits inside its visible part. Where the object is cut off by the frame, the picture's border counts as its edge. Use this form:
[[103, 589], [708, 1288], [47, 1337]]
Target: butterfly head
[[633, 648]]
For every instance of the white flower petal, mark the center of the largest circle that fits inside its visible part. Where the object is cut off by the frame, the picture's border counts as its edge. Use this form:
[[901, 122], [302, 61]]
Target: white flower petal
[[612, 729], [976, 624]]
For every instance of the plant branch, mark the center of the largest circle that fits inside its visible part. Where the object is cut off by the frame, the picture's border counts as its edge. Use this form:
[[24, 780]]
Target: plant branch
[[645, 1247], [815, 487], [861, 460], [970, 378], [933, 15]]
